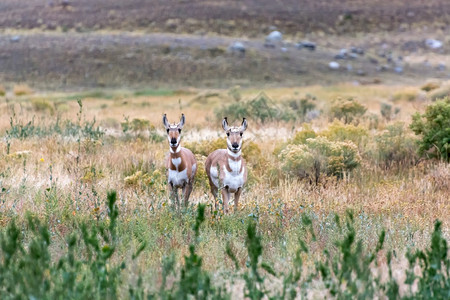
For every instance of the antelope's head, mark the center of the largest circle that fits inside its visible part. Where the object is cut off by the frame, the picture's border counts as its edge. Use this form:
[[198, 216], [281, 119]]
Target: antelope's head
[[234, 135], [173, 131]]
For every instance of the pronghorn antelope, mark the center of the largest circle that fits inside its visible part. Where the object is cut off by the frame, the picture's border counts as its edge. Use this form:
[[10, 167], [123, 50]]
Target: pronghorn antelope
[[226, 168], [181, 163]]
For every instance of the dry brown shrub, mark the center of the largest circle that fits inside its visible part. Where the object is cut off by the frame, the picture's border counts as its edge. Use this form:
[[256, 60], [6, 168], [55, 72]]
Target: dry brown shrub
[[22, 89], [429, 86]]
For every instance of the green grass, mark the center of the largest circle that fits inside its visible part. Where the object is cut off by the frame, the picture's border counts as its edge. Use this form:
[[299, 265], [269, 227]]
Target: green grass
[[153, 92], [91, 265]]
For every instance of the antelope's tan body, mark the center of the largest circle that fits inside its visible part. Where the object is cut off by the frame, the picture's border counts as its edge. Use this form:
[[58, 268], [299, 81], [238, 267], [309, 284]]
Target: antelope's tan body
[[180, 163], [181, 167], [226, 168]]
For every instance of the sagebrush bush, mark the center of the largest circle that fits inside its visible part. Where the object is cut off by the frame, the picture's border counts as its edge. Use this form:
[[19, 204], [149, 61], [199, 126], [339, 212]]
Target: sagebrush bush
[[22, 89], [394, 147], [338, 131], [205, 147], [2, 90], [433, 127], [319, 156], [405, 95], [440, 93], [42, 105], [387, 112], [261, 109], [137, 127], [348, 110], [429, 86], [301, 107]]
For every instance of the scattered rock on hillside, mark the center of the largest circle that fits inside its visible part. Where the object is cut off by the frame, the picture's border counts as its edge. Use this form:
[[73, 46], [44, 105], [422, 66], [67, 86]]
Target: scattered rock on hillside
[[398, 69], [361, 72], [237, 47], [333, 65], [15, 38], [274, 37], [441, 67], [373, 60], [433, 44], [357, 50], [306, 44], [269, 45]]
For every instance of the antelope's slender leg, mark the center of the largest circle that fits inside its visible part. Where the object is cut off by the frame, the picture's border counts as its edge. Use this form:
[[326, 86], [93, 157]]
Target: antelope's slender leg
[[187, 192], [171, 193], [225, 199], [214, 192], [237, 195]]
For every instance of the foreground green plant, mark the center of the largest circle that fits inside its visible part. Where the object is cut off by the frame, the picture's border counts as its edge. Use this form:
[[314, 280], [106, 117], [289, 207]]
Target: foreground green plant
[[85, 271], [434, 128]]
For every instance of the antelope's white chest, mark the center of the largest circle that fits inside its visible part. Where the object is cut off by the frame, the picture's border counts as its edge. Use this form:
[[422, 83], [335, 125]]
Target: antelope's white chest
[[234, 179], [178, 179], [176, 162]]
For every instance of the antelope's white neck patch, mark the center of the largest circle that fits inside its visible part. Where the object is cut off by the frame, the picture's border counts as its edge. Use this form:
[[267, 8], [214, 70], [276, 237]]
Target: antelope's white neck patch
[[234, 154], [176, 162], [177, 150]]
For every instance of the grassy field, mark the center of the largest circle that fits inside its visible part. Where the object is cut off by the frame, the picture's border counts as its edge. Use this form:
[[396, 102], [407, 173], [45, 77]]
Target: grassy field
[[61, 156], [348, 187]]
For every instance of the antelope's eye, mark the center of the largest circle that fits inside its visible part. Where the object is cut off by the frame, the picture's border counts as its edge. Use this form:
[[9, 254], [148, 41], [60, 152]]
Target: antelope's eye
[[179, 130], [167, 130], [240, 133], [228, 134]]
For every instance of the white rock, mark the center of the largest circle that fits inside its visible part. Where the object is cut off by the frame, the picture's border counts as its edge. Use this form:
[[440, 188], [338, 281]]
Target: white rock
[[274, 36], [433, 44], [333, 65], [237, 47]]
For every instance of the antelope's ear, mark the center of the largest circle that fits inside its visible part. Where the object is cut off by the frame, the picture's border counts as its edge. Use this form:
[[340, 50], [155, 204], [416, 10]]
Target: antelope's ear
[[225, 124], [165, 121], [182, 120], [244, 125]]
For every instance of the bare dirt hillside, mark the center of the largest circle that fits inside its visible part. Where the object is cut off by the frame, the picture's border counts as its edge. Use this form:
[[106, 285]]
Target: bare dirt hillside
[[245, 17], [112, 43]]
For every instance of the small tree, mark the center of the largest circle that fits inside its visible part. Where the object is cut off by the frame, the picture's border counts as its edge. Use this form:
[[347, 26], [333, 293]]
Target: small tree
[[434, 128]]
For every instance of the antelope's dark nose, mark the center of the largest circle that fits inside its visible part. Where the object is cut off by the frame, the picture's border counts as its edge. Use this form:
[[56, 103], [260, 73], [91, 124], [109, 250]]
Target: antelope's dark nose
[[235, 145], [173, 141]]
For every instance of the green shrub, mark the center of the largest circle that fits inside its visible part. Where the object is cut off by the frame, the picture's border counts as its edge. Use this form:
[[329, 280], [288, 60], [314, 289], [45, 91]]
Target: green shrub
[[234, 111], [434, 130], [387, 112], [395, 147], [205, 147], [42, 105], [348, 110], [137, 127], [86, 271], [235, 93], [348, 274], [302, 106], [194, 282], [407, 94], [319, 156], [340, 132], [260, 109], [434, 282]]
